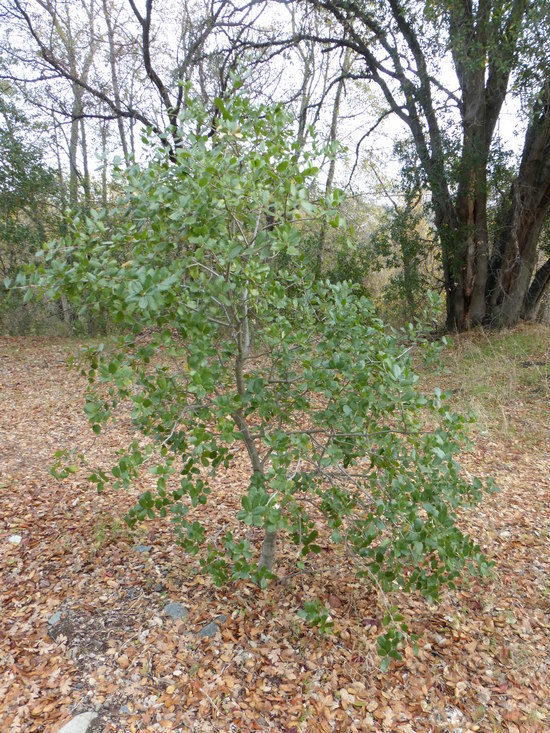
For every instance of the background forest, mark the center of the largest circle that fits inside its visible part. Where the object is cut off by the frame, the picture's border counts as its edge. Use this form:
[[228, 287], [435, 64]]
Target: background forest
[[435, 118]]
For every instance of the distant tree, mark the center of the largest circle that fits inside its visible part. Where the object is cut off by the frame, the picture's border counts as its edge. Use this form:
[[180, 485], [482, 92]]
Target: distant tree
[[224, 345], [28, 188], [156, 48], [29, 200]]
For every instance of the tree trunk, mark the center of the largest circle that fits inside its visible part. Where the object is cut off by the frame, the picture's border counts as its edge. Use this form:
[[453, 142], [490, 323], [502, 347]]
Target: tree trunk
[[466, 240], [532, 301], [525, 210], [268, 550], [85, 167], [114, 77], [73, 145], [332, 138], [104, 135], [267, 557]]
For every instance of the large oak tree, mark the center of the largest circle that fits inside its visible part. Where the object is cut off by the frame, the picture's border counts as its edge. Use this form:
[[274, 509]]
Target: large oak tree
[[445, 68]]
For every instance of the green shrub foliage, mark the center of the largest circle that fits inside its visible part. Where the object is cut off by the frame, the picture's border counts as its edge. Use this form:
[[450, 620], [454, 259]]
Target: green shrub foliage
[[227, 340]]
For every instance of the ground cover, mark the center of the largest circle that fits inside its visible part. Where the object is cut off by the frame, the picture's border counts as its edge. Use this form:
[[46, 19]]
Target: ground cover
[[84, 623]]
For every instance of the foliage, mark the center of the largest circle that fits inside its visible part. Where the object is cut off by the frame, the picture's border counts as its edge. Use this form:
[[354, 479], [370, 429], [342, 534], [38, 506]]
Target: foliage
[[224, 346], [28, 189], [350, 264], [26, 183], [404, 244]]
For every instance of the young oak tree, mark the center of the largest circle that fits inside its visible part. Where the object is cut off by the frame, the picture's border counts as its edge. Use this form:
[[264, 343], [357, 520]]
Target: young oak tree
[[226, 340]]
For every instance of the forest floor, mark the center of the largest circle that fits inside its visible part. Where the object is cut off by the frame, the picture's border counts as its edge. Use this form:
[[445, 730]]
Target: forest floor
[[82, 599]]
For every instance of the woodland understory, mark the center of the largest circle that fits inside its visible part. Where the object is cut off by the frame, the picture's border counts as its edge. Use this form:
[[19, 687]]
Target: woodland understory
[[484, 655]]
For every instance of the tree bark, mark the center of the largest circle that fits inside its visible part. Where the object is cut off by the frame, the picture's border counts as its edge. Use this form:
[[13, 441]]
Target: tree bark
[[533, 299], [527, 206], [267, 558], [114, 78]]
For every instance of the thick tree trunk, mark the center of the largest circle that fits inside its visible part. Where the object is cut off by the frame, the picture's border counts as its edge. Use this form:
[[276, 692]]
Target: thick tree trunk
[[516, 250], [498, 292], [467, 241], [533, 299]]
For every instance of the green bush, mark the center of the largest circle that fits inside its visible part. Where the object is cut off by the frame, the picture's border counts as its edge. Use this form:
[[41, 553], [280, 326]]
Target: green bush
[[223, 345]]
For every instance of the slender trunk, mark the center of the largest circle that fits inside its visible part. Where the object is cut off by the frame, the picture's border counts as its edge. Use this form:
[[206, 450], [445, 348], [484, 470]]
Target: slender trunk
[[114, 79], [62, 184], [132, 139], [305, 97], [267, 557], [73, 145], [333, 135], [85, 167], [104, 165]]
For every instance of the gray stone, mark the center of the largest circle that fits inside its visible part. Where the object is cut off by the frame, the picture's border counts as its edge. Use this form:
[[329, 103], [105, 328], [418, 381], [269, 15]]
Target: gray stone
[[125, 710], [55, 618], [143, 548], [212, 628], [80, 724], [176, 611]]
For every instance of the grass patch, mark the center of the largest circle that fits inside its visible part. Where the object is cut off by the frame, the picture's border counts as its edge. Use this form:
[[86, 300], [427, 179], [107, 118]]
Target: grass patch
[[503, 377]]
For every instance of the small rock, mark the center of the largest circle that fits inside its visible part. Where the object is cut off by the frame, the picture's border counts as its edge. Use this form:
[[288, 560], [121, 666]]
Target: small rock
[[123, 661], [159, 588], [212, 628], [15, 539], [143, 548], [176, 611], [80, 724], [55, 618], [125, 710]]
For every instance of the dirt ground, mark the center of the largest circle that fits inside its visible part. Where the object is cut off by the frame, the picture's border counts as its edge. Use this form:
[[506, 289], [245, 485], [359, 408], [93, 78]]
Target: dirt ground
[[484, 658]]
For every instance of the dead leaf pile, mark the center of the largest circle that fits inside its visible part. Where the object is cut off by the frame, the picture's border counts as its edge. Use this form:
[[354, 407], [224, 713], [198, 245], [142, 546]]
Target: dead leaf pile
[[82, 599]]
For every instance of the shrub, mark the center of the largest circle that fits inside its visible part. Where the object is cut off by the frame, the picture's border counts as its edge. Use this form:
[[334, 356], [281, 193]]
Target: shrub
[[221, 344]]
